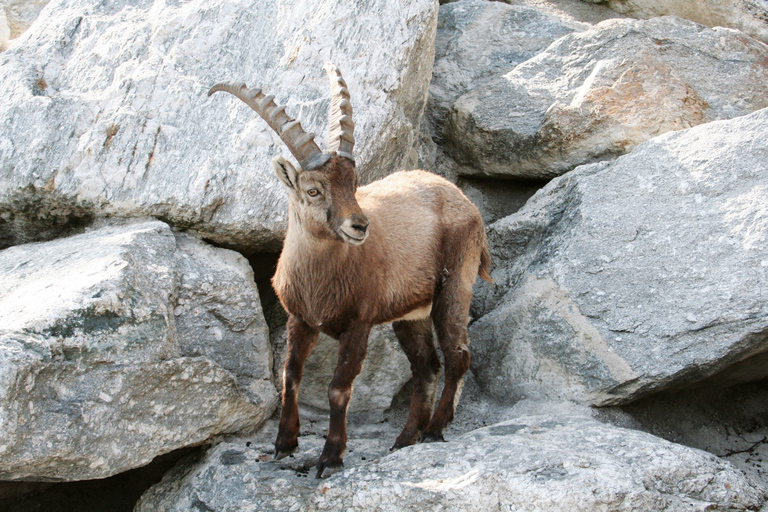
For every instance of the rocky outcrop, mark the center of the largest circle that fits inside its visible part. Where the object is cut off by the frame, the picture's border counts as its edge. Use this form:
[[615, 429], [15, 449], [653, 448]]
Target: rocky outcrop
[[100, 362], [635, 283], [623, 278], [531, 463], [105, 111], [601, 92], [749, 16], [478, 40]]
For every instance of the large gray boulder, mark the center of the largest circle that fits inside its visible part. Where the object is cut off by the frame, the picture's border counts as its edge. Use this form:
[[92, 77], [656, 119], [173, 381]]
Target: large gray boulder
[[620, 279], [104, 108], [98, 369], [218, 313], [530, 463], [601, 92], [749, 16], [478, 40]]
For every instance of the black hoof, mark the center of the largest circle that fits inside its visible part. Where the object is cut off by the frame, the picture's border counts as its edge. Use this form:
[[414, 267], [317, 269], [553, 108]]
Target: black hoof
[[326, 469], [283, 453], [400, 444]]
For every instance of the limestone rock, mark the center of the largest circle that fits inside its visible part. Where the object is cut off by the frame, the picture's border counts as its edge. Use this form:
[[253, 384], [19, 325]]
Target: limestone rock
[[105, 113], [530, 463], [749, 16], [620, 279], [599, 93], [18, 16], [218, 312], [96, 373], [478, 40]]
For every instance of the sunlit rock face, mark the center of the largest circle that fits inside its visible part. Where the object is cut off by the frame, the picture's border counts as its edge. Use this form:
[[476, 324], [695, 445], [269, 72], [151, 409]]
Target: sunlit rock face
[[749, 16], [116, 346], [16, 16], [479, 40], [529, 463], [598, 93], [620, 279], [105, 112]]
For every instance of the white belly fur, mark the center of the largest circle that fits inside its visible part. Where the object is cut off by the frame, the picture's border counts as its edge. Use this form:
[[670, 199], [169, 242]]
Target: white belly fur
[[416, 314]]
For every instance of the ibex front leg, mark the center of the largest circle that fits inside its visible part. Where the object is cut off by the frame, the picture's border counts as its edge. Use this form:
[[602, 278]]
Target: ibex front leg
[[301, 339], [353, 345]]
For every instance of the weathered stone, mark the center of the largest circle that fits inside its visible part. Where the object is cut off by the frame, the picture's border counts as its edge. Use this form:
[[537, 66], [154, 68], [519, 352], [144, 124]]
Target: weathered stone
[[105, 113], [95, 373], [620, 279], [385, 372], [239, 474], [543, 463], [18, 15], [530, 463], [601, 92], [477, 40], [749, 16], [218, 313]]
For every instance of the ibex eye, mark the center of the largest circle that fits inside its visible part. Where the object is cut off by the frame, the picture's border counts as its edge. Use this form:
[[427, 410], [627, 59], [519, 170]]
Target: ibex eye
[[313, 192]]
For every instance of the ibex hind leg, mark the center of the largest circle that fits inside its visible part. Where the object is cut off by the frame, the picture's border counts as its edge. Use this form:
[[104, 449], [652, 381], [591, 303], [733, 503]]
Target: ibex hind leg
[[416, 339], [451, 315]]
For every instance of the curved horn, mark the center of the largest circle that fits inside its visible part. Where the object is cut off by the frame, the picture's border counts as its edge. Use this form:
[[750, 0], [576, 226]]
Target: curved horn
[[300, 143], [341, 127]]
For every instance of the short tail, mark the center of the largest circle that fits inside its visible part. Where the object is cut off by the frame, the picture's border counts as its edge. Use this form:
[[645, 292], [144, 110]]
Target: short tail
[[485, 261]]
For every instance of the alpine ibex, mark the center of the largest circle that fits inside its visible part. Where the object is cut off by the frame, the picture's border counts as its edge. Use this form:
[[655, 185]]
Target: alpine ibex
[[406, 249]]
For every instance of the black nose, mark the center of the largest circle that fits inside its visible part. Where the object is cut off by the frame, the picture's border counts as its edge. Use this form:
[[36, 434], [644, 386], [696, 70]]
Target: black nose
[[359, 223]]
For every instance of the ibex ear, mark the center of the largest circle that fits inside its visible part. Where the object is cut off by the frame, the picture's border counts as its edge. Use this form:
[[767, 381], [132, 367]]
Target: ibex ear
[[285, 171]]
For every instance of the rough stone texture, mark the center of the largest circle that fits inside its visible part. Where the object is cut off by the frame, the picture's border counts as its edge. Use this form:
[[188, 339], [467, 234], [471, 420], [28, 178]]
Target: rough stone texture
[[749, 16], [728, 421], [18, 15], [621, 279], [477, 40], [385, 372], [94, 378], [105, 110], [239, 474], [530, 463], [218, 313], [603, 91]]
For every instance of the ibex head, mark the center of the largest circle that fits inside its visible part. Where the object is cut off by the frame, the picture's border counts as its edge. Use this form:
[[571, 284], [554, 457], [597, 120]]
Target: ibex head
[[323, 187]]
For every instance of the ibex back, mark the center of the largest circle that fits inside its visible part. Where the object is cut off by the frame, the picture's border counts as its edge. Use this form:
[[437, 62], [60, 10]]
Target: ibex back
[[406, 249]]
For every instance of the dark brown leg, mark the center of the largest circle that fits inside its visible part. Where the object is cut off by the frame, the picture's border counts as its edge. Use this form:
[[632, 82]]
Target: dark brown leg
[[301, 339], [353, 346], [416, 339], [451, 315]]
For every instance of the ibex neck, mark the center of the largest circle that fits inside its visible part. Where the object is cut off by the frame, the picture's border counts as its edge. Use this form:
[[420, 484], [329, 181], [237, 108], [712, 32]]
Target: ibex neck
[[308, 271], [301, 245]]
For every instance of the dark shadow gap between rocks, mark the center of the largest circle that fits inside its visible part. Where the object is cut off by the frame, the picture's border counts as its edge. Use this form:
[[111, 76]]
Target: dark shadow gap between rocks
[[40, 220], [727, 420], [118, 493], [498, 198]]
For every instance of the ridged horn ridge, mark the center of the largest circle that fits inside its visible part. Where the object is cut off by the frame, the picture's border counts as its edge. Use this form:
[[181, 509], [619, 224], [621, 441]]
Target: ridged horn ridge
[[300, 143], [341, 127]]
